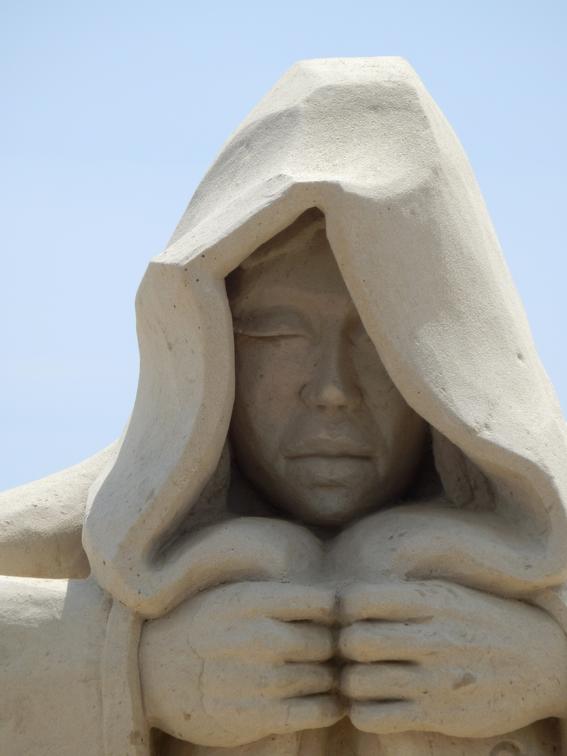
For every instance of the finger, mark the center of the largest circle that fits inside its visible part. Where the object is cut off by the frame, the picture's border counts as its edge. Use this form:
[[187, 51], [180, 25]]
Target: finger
[[383, 641], [310, 713], [281, 641], [268, 640], [292, 680], [401, 601], [381, 682], [283, 601], [301, 641], [386, 717], [297, 602]]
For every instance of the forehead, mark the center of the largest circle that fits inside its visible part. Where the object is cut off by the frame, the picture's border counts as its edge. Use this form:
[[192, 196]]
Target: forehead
[[297, 266]]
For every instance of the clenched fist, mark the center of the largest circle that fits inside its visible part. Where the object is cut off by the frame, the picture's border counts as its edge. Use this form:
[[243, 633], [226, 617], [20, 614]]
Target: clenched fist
[[438, 657], [240, 662]]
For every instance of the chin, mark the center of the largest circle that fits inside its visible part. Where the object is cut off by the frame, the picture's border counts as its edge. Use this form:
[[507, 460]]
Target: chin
[[329, 507]]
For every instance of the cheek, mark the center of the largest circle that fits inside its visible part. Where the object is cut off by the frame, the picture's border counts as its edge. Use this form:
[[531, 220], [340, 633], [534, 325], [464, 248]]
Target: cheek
[[388, 413], [268, 383]]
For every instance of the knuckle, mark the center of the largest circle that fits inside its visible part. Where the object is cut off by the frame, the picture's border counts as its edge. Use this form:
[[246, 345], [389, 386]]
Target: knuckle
[[361, 719], [325, 709], [349, 682], [354, 643], [323, 643], [349, 644], [352, 602]]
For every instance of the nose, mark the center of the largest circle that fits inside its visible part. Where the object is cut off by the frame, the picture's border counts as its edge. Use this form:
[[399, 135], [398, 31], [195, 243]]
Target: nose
[[332, 384]]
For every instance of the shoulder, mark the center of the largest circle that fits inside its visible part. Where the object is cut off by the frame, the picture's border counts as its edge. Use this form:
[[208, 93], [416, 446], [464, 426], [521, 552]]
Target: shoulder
[[41, 522]]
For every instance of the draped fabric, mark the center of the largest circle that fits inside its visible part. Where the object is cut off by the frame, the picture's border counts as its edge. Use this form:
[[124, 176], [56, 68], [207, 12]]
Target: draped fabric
[[361, 140]]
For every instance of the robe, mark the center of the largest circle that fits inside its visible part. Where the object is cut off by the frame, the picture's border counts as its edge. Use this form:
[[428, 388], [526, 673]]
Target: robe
[[362, 141], [52, 634]]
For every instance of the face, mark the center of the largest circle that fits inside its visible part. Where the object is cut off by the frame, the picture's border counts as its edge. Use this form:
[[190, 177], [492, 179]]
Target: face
[[318, 426]]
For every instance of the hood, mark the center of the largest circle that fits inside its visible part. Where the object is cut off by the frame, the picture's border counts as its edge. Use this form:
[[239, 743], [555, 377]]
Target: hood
[[363, 141]]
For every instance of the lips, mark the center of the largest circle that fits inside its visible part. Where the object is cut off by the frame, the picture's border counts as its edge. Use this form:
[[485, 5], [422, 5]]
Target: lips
[[329, 447]]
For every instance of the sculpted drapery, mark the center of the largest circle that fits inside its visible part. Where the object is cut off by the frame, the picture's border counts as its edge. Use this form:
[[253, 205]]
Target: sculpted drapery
[[358, 150]]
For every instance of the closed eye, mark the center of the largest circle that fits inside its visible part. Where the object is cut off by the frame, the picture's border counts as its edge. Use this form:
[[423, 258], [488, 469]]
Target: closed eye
[[272, 323]]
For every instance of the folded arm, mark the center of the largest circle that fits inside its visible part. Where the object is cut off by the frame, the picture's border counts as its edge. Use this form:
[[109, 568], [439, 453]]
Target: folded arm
[[41, 522]]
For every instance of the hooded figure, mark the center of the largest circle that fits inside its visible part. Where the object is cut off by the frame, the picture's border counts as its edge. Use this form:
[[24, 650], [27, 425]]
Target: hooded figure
[[358, 150]]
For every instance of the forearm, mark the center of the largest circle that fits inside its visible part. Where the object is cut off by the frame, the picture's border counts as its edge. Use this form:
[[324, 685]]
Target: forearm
[[52, 634]]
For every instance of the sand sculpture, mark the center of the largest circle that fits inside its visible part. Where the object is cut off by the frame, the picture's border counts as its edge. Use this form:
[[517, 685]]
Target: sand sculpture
[[335, 523]]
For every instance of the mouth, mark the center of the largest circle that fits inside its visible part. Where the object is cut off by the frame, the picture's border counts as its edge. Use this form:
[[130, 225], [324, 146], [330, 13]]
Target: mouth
[[329, 449]]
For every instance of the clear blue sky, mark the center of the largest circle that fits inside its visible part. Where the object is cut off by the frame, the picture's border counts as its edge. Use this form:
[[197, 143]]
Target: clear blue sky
[[112, 111]]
